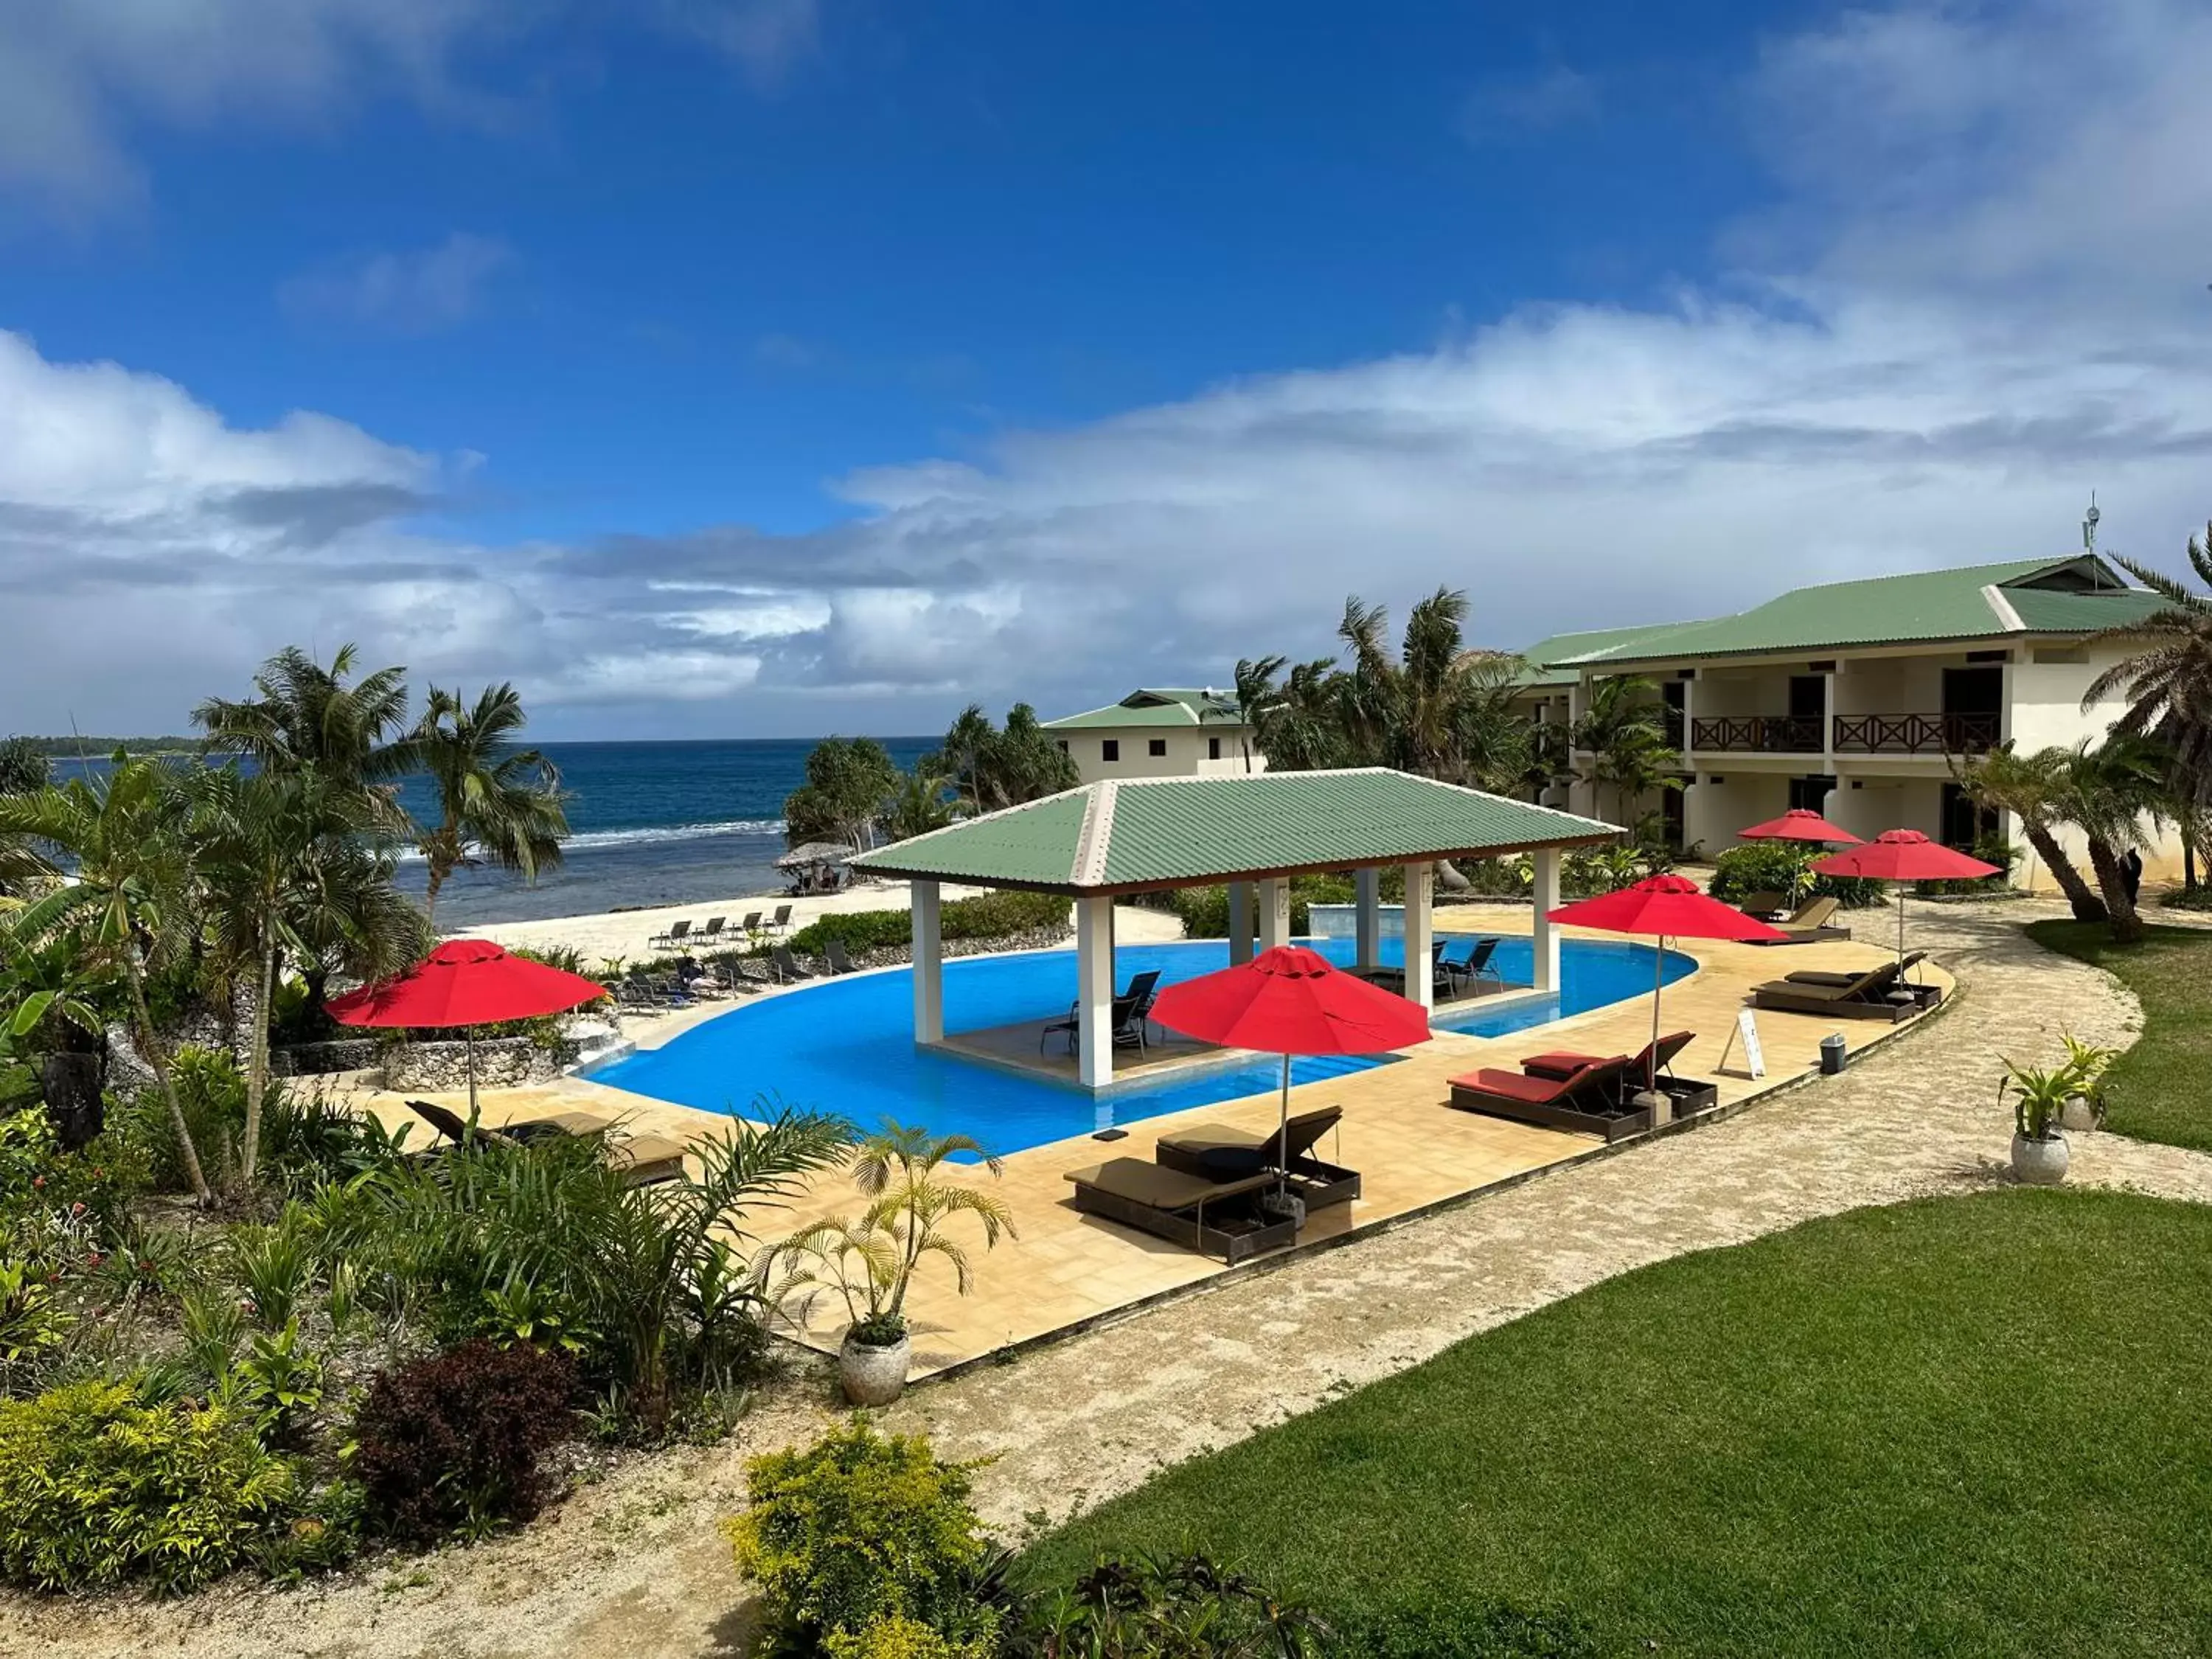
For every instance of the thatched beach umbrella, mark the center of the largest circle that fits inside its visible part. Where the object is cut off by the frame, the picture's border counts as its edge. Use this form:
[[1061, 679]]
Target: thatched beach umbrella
[[814, 852]]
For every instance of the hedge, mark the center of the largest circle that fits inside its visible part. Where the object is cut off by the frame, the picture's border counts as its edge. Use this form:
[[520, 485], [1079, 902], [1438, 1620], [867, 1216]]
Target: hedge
[[1001, 915]]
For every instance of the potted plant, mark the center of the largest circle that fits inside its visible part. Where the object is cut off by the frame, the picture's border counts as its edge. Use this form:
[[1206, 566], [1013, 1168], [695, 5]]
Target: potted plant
[[870, 1263], [2085, 1107], [2040, 1153]]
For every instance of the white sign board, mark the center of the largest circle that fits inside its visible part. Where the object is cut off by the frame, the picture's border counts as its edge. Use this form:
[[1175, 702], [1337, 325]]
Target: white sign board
[[1749, 1027]]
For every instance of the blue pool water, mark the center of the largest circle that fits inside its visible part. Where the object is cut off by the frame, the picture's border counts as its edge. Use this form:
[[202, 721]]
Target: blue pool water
[[846, 1045]]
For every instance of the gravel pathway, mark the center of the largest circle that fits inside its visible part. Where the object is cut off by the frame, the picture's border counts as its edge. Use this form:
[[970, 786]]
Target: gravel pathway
[[633, 1566]]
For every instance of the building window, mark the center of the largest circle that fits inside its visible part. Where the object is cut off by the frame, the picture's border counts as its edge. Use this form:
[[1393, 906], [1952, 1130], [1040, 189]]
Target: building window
[[1063, 745], [1110, 750], [1157, 748], [1213, 749]]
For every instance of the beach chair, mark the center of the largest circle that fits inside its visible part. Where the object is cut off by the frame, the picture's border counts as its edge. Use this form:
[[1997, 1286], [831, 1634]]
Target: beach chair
[[780, 921], [645, 1159], [1652, 1067], [675, 935], [1470, 969], [787, 966], [1809, 924], [751, 924], [1128, 1019], [714, 929], [1762, 905], [1213, 1218], [1830, 976], [1588, 1100], [1218, 1150], [1876, 995], [839, 962]]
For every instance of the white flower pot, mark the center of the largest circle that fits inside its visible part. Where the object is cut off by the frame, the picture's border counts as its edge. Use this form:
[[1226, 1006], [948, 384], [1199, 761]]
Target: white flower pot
[[2039, 1162], [2079, 1113], [873, 1375]]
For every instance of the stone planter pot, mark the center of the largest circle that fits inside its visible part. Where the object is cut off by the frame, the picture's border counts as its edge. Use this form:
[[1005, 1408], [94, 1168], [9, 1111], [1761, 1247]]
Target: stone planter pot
[[873, 1375], [2080, 1113], [2039, 1162]]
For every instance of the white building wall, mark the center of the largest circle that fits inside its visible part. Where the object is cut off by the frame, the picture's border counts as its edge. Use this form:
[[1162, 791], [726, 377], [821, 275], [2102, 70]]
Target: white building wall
[[1721, 803], [1189, 752]]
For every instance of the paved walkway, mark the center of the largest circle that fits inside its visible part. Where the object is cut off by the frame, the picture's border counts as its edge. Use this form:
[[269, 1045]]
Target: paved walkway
[[633, 1566]]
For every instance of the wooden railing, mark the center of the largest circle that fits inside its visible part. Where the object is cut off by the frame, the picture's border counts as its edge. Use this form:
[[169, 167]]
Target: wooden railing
[[1758, 734], [1915, 734]]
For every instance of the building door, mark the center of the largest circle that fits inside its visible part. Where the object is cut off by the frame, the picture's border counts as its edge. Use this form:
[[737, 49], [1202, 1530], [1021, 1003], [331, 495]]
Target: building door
[[1808, 708], [1973, 709], [1671, 821], [1966, 820], [1670, 698], [1810, 794]]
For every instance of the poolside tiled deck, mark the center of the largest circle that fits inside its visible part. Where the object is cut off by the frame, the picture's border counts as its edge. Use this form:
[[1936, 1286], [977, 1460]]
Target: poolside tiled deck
[[1065, 1270]]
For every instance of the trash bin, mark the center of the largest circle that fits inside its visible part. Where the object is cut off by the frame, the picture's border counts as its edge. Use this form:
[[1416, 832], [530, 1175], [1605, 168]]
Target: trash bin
[[1831, 1055]]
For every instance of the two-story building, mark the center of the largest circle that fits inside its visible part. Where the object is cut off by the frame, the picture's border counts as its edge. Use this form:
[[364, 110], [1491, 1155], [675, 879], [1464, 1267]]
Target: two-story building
[[1858, 699], [1160, 732]]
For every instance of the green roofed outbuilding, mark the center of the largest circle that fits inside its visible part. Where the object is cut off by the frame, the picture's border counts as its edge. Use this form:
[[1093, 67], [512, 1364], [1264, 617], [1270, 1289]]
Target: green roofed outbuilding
[[1250, 833]]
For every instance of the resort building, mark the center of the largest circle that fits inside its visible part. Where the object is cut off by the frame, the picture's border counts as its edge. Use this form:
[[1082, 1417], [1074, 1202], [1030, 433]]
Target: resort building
[[1160, 732], [1857, 699]]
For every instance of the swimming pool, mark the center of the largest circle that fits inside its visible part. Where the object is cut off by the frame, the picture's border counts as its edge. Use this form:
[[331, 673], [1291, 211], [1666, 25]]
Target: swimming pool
[[846, 1045]]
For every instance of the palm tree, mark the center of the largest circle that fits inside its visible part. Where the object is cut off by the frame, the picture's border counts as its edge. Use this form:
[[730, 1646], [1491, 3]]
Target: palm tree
[[1303, 732], [2031, 789], [131, 867], [53, 986], [1439, 708], [1625, 734], [307, 714], [2108, 793], [923, 802], [281, 860], [2166, 676], [496, 803], [1257, 699], [991, 769]]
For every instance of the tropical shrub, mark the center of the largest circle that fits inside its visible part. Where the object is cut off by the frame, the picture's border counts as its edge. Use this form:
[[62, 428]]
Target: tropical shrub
[[1781, 867], [1205, 910], [1991, 849], [1466, 1629], [451, 1443], [96, 1487], [1170, 1608], [858, 1537], [93, 1189], [986, 917], [32, 1326]]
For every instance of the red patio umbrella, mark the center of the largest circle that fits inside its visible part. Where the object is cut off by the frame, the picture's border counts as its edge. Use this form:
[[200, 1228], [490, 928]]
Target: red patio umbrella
[[1800, 823], [1663, 908], [1904, 855], [467, 982], [1290, 1000]]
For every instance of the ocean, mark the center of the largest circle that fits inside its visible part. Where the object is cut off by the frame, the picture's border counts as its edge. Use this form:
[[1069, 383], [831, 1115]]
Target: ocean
[[652, 823]]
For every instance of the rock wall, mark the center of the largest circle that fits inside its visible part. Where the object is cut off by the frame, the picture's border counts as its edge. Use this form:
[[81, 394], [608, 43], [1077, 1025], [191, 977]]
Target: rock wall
[[313, 1059], [502, 1063]]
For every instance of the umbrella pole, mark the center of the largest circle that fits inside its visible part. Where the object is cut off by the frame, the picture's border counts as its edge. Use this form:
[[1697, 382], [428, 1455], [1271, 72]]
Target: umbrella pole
[[1282, 1134], [1658, 984], [469, 1042], [1900, 925]]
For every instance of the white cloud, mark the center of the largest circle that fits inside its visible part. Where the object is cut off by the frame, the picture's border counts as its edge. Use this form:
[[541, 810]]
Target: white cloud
[[1923, 360], [1513, 106], [415, 292]]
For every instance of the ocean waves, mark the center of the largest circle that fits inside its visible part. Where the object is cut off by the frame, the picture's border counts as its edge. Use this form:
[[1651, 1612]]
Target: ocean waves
[[649, 834]]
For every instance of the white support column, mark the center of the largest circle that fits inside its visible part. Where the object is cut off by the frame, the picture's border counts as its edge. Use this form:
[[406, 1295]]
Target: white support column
[[928, 965], [1274, 912], [1367, 894], [1420, 976], [1240, 922], [1094, 989], [1546, 934]]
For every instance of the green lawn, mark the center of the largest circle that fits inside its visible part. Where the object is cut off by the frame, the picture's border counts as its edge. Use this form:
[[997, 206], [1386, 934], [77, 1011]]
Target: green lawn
[[1960, 1426], [2161, 1088]]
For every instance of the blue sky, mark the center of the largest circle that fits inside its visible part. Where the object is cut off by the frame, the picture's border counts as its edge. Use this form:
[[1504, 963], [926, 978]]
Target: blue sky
[[717, 367]]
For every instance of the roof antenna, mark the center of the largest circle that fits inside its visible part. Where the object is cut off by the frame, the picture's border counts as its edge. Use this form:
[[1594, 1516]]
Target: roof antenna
[[2089, 524]]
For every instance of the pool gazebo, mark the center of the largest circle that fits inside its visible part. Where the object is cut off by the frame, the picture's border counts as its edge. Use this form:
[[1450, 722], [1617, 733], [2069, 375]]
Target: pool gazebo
[[1251, 832]]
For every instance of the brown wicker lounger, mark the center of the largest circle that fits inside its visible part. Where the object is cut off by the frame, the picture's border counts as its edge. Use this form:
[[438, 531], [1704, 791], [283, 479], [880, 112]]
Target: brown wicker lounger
[[1590, 1100], [1829, 976], [1809, 925], [1214, 1218], [1192, 1152], [1867, 997], [646, 1158]]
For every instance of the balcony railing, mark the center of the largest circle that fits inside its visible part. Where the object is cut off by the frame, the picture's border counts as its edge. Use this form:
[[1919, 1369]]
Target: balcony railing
[[1915, 734], [1757, 734]]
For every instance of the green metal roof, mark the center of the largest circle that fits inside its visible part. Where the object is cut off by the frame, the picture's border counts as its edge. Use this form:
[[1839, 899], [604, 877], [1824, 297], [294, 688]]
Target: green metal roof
[[1128, 835], [1566, 648], [2077, 595], [1150, 705]]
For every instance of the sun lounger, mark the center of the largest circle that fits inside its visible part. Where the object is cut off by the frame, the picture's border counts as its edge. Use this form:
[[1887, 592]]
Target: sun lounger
[[646, 1159], [1763, 905], [780, 921], [835, 954], [1809, 924], [1829, 976], [787, 966], [1652, 1067], [1214, 1218], [1590, 1100], [1216, 1151], [1469, 970], [1128, 1019], [714, 929], [1878, 994], [675, 935]]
